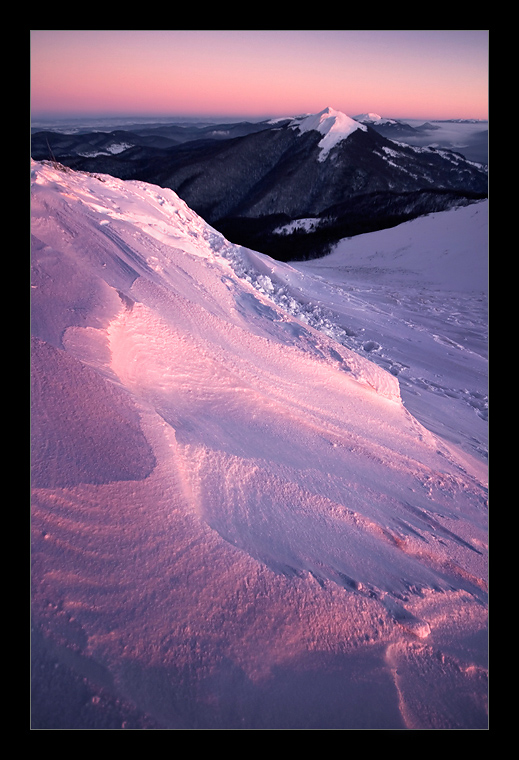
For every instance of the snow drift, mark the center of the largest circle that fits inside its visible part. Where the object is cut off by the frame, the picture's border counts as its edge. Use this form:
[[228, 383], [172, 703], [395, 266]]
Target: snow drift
[[237, 521]]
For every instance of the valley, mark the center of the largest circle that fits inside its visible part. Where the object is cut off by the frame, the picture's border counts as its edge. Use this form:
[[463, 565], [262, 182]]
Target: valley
[[249, 179]]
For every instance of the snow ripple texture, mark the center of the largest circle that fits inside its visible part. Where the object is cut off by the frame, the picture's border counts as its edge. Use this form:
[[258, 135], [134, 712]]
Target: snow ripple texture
[[283, 521]]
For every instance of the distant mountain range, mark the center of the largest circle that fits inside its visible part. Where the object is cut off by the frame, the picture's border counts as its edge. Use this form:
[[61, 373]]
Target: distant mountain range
[[290, 187], [466, 136]]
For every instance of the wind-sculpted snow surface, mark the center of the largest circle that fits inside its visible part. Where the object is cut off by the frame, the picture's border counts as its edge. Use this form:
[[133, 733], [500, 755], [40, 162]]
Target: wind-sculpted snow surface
[[237, 523]]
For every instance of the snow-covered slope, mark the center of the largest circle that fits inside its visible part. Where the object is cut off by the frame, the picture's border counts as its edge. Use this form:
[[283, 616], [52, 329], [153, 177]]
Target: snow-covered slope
[[415, 299], [237, 523]]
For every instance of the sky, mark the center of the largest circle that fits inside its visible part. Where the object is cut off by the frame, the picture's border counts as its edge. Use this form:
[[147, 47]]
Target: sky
[[255, 74]]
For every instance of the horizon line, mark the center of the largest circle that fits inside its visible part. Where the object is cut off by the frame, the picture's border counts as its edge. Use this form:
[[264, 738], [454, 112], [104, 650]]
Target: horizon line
[[227, 117]]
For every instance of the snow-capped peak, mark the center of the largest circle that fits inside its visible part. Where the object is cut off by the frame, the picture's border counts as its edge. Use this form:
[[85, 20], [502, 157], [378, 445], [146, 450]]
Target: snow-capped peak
[[335, 126]]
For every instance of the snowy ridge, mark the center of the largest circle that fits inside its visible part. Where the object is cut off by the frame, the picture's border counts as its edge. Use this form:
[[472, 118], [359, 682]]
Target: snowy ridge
[[167, 219], [373, 118], [273, 281], [228, 501]]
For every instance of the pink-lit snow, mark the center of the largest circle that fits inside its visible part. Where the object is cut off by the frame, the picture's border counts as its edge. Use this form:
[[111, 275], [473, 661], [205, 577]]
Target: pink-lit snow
[[335, 126], [258, 489]]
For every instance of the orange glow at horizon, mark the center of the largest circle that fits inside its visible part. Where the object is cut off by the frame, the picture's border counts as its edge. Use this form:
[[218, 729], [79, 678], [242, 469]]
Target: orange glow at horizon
[[251, 73]]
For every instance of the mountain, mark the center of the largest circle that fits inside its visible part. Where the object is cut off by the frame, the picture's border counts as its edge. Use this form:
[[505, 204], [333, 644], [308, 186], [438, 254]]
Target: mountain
[[46, 144], [372, 118], [468, 137], [382, 124], [237, 520], [325, 166]]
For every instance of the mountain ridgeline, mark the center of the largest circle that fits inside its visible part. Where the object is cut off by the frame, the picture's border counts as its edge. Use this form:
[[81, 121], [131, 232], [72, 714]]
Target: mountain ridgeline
[[289, 188]]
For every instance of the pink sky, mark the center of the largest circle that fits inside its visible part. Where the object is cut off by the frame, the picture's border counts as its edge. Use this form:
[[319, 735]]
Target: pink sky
[[415, 74]]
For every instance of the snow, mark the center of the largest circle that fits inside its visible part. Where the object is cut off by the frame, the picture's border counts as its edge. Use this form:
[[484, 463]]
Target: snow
[[424, 284], [367, 117], [259, 489], [306, 225], [334, 125], [113, 149]]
